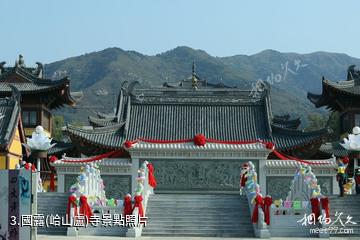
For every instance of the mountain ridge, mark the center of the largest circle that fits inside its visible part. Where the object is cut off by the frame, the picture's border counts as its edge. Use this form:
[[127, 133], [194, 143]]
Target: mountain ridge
[[106, 69]]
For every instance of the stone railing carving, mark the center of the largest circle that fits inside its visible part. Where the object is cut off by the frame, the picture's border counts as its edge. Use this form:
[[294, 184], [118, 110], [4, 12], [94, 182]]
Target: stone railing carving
[[249, 186], [286, 215], [143, 189]]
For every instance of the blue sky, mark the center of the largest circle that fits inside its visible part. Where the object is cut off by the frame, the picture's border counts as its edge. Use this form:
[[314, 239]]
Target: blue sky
[[46, 30]]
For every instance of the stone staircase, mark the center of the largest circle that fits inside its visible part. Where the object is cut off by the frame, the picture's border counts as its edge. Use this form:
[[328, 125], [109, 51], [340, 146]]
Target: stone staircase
[[202, 215], [348, 205], [52, 203]]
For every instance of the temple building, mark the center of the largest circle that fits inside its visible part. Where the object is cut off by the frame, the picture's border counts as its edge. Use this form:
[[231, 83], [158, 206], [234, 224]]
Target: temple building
[[11, 131], [39, 96], [342, 97], [162, 119], [20, 115]]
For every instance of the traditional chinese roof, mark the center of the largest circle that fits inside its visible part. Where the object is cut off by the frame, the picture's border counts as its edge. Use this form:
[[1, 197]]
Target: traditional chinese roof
[[338, 96], [30, 82], [164, 113], [287, 123], [9, 119], [334, 148], [111, 137], [60, 147]]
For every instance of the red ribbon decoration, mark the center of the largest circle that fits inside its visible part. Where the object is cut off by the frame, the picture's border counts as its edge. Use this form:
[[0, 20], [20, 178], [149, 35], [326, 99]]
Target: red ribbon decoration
[[128, 208], [325, 205], [85, 209], [52, 180], [267, 204], [138, 199], [345, 160], [243, 179], [151, 177], [258, 203], [27, 166], [199, 140], [53, 159], [93, 159], [71, 203], [315, 208]]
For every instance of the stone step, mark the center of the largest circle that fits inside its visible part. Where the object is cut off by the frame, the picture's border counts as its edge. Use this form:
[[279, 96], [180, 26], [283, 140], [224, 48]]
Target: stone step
[[52, 230], [194, 226], [208, 222], [198, 215], [162, 195], [200, 233], [102, 231], [192, 214], [197, 209]]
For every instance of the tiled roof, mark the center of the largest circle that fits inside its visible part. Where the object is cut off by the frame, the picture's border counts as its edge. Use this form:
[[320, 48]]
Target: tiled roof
[[9, 117], [288, 138], [60, 147], [102, 122], [27, 83], [288, 123], [221, 113], [110, 137], [182, 121], [342, 90], [335, 148]]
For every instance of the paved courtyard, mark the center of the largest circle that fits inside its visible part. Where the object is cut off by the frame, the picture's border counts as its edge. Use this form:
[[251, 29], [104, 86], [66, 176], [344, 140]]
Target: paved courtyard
[[45, 237]]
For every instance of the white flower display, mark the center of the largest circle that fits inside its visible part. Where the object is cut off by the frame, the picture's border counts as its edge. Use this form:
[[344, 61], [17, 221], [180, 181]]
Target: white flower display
[[353, 141], [39, 141]]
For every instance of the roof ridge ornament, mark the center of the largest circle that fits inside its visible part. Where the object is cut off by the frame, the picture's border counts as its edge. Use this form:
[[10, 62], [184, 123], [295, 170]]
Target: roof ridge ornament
[[20, 61], [39, 71], [194, 79], [352, 73], [2, 68]]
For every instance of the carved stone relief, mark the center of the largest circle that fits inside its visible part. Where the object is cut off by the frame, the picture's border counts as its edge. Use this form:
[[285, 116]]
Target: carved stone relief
[[116, 186], [326, 185], [198, 175], [278, 187]]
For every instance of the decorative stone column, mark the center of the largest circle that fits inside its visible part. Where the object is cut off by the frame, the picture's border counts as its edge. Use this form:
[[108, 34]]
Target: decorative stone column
[[60, 182], [134, 173], [262, 176]]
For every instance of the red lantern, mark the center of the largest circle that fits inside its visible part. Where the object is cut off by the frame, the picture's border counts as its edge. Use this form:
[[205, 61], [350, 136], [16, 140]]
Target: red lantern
[[53, 159], [269, 145], [199, 140], [345, 160], [128, 144]]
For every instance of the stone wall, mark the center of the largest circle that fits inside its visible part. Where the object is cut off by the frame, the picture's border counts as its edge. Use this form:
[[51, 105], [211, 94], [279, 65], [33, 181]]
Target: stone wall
[[198, 174]]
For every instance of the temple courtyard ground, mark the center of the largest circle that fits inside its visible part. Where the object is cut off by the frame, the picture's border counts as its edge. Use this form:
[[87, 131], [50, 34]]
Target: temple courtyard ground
[[46, 237]]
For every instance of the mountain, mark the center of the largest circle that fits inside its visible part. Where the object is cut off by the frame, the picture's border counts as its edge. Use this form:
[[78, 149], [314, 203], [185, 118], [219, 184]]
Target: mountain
[[292, 75]]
